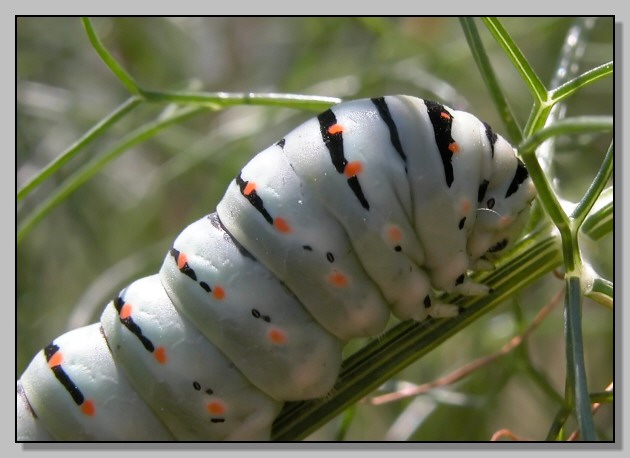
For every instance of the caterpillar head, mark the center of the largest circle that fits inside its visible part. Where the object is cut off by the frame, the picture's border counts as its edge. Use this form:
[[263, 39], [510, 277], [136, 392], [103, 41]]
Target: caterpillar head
[[504, 207]]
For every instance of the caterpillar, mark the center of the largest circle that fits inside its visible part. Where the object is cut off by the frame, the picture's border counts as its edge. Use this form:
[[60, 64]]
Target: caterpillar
[[362, 212]]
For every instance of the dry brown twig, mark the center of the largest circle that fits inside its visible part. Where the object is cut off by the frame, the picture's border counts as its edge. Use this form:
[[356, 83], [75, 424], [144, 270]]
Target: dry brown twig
[[506, 433]]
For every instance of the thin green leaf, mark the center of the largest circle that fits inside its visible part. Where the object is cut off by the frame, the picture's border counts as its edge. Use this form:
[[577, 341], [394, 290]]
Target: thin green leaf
[[602, 292], [600, 222], [567, 126], [489, 78], [90, 169], [568, 66], [586, 78], [518, 59], [595, 189], [125, 78], [91, 135]]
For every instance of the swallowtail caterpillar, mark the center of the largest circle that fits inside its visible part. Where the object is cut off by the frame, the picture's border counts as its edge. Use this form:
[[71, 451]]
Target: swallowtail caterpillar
[[360, 212]]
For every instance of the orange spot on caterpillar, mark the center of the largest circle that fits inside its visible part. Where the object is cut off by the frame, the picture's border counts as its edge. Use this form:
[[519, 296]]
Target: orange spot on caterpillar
[[353, 168], [276, 336], [218, 292], [282, 225], [249, 188], [88, 407], [505, 221], [465, 207], [125, 311], [160, 355], [182, 260], [338, 279], [445, 115], [394, 233], [335, 129], [453, 148], [55, 360], [216, 407]]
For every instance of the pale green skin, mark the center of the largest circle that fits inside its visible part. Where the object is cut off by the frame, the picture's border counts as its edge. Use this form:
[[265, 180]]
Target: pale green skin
[[287, 283]]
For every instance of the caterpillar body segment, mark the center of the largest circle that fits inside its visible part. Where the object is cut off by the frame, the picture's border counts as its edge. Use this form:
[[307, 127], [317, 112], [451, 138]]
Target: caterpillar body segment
[[198, 395], [331, 282], [255, 321]]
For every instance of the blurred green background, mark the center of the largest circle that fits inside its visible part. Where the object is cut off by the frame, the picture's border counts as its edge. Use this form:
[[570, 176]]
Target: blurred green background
[[118, 226]]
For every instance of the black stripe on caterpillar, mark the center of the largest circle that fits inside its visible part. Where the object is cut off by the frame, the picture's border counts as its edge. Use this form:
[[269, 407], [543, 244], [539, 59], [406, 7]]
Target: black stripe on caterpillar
[[360, 212]]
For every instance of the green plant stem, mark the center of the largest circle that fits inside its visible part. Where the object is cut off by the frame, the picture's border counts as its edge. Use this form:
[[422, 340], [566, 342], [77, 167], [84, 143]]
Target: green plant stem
[[554, 434], [577, 390], [223, 99], [546, 194]]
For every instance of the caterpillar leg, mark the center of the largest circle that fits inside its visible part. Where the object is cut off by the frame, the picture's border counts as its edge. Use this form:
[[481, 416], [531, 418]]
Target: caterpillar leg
[[443, 310], [432, 308], [472, 288]]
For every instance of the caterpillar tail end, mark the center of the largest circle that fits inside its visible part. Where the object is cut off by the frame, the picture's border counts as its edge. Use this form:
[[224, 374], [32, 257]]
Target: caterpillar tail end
[[28, 427]]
